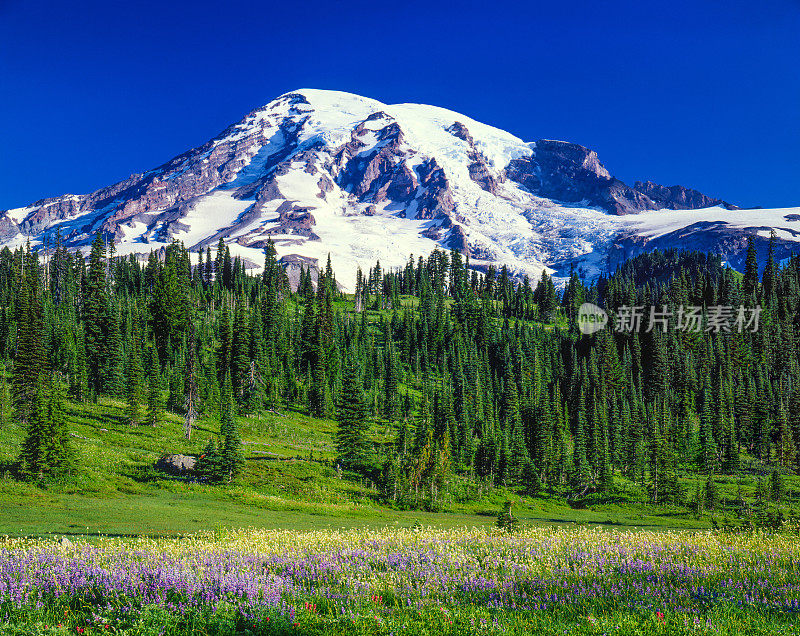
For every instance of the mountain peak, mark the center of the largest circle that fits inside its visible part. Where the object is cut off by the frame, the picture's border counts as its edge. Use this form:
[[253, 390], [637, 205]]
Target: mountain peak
[[321, 171]]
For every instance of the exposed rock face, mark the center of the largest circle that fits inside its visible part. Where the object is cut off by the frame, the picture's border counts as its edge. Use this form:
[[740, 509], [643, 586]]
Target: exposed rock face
[[294, 264], [373, 162], [678, 197], [458, 240], [8, 229], [571, 173], [479, 173], [176, 464], [462, 132], [325, 185], [435, 201], [478, 168], [294, 220]]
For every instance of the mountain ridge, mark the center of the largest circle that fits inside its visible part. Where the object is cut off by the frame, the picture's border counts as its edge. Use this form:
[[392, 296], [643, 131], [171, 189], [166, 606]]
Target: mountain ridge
[[329, 172]]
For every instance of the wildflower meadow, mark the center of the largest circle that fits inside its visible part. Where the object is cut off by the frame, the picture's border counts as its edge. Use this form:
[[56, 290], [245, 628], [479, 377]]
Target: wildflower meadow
[[540, 580]]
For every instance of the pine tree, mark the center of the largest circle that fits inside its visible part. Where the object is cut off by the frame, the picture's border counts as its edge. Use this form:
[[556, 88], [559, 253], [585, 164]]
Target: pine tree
[[36, 448], [209, 465], [227, 269], [224, 347], [62, 458], [390, 384], [777, 488], [750, 279], [711, 494], [531, 483], [318, 389], [580, 477], [732, 460], [240, 350], [699, 499], [352, 443], [31, 358], [708, 445], [78, 373], [176, 397], [112, 381], [232, 458], [787, 453], [657, 486], [46, 450], [5, 399], [95, 310], [769, 278]]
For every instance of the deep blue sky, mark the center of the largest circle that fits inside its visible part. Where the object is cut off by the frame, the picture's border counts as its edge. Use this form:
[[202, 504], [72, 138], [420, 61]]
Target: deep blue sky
[[706, 94]]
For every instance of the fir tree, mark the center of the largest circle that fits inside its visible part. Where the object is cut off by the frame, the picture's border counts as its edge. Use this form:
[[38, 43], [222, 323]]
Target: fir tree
[[776, 486], [231, 456], [5, 399], [95, 309], [352, 443], [750, 279], [208, 466], [62, 458], [711, 494], [112, 381], [530, 480], [34, 460], [31, 358]]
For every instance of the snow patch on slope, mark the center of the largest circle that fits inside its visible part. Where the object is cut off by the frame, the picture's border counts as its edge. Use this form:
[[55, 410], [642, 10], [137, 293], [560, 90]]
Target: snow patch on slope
[[786, 221]]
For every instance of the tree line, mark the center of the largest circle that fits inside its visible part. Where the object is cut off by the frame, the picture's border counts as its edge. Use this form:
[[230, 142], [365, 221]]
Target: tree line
[[482, 379]]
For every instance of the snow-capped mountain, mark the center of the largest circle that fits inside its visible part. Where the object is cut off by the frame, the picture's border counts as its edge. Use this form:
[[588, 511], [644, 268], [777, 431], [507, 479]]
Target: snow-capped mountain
[[328, 172]]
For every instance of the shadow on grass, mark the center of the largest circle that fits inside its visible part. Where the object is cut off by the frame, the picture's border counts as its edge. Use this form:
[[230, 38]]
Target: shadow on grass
[[96, 421]]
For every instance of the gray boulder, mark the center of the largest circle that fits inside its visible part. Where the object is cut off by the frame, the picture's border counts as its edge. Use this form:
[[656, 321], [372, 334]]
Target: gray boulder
[[176, 464]]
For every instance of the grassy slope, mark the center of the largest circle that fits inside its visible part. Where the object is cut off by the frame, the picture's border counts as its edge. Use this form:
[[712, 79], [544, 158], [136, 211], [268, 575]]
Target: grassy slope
[[284, 486], [289, 483]]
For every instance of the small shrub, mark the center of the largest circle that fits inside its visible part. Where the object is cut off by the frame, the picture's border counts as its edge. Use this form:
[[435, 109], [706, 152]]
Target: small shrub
[[505, 520]]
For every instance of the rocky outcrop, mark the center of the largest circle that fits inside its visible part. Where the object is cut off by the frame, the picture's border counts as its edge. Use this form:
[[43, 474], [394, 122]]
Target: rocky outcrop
[[172, 186], [181, 180], [478, 168], [435, 200], [294, 264], [176, 464], [480, 174], [8, 229], [373, 166], [678, 197], [458, 240], [325, 185], [462, 132], [294, 220], [573, 174]]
